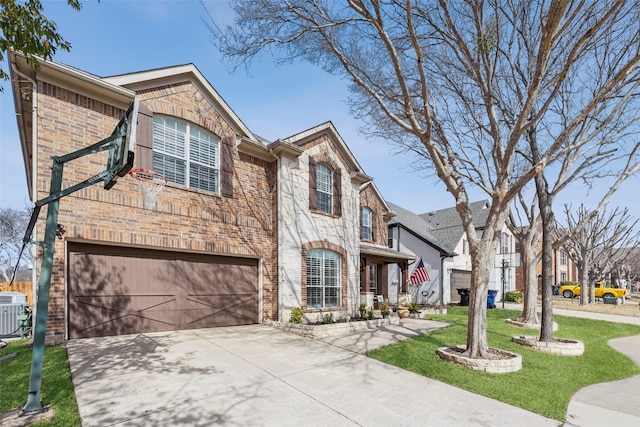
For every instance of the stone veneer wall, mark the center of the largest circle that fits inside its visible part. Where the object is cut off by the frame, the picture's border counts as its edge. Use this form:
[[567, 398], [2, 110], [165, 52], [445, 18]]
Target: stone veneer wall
[[299, 226]]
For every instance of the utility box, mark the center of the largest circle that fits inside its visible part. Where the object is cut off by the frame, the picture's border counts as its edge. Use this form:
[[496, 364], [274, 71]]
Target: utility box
[[11, 304]]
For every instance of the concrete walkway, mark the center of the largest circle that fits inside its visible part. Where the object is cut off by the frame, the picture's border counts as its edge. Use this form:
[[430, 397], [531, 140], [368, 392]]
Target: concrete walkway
[[260, 376]]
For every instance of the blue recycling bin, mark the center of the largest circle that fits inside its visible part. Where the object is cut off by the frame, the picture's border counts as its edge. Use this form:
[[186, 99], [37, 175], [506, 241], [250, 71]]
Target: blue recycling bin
[[491, 298]]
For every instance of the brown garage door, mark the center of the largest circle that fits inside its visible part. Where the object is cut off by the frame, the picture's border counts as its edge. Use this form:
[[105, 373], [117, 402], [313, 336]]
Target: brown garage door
[[115, 291], [459, 279]]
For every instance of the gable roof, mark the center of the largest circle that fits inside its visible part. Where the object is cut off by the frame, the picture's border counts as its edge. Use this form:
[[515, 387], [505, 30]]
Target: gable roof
[[418, 227], [387, 206], [327, 128], [153, 78], [446, 224]]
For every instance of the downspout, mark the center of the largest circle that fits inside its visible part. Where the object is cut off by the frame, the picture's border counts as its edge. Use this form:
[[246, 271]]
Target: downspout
[[442, 258], [277, 243], [34, 173], [399, 270]]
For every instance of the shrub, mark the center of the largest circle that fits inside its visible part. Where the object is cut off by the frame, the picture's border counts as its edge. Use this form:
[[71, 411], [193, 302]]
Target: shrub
[[513, 296], [384, 309], [370, 314], [414, 307], [328, 318], [363, 310], [296, 315]]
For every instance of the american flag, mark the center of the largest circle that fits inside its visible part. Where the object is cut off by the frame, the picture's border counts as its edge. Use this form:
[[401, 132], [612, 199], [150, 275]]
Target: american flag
[[420, 274]]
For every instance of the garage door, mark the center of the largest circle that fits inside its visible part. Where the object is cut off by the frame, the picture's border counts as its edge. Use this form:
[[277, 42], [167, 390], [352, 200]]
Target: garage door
[[116, 291], [459, 279]]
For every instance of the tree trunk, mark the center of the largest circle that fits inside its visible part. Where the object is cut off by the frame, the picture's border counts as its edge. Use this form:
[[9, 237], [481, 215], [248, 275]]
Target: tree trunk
[[548, 231], [477, 323], [584, 282], [530, 300]]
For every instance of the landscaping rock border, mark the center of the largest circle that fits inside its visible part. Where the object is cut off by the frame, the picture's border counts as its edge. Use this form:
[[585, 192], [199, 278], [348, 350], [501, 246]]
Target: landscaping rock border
[[503, 363], [560, 346], [332, 329], [529, 325]]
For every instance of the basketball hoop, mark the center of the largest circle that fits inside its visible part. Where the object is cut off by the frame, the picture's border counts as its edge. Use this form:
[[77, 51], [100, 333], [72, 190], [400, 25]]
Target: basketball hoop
[[151, 183]]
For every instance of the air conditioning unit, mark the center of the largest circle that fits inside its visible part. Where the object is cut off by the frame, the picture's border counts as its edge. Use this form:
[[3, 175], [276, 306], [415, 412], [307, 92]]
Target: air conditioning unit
[[13, 298], [11, 306]]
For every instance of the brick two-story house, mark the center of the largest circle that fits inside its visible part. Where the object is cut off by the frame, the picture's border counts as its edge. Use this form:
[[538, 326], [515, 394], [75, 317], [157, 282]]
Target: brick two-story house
[[245, 229]]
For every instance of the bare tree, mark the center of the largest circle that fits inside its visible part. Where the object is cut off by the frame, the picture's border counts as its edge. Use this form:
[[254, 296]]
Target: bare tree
[[525, 224], [13, 224], [458, 83], [596, 243]]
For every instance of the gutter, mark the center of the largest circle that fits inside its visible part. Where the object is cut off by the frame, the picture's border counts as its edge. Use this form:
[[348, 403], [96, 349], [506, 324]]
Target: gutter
[[34, 171]]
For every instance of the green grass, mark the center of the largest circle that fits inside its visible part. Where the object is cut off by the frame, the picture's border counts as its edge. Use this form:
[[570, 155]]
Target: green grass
[[545, 383], [56, 390]]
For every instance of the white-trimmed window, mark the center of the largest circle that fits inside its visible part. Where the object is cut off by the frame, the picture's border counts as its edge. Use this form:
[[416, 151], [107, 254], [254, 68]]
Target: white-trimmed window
[[324, 188], [186, 154], [505, 243], [563, 258], [323, 278], [367, 224]]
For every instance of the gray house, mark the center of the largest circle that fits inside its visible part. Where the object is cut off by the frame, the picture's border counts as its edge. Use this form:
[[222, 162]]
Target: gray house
[[408, 232], [438, 239]]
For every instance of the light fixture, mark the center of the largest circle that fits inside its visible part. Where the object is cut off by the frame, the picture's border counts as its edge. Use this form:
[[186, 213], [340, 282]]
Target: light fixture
[[60, 230]]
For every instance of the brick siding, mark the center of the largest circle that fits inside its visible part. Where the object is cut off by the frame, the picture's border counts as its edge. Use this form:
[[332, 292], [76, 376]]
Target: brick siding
[[183, 220]]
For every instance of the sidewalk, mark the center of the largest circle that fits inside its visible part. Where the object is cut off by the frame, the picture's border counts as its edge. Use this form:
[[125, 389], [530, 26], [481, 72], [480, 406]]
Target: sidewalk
[[602, 404]]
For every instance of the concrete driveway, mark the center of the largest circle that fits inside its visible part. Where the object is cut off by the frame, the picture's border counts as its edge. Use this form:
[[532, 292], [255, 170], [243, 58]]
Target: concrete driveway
[[260, 376]]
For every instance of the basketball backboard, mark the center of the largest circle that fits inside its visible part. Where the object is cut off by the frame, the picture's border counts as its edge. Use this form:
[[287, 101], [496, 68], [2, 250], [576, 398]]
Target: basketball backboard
[[122, 148]]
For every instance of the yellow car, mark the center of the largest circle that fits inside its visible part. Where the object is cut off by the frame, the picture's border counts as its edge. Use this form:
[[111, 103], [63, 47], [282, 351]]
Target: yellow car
[[571, 291]]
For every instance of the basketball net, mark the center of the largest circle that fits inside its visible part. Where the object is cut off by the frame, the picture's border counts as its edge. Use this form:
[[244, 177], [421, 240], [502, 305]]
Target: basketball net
[[150, 183]]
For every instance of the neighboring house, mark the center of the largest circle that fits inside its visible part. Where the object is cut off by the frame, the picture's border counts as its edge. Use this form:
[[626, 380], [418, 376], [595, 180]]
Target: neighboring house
[[445, 225], [562, 266], [408, 232], [245, 230]]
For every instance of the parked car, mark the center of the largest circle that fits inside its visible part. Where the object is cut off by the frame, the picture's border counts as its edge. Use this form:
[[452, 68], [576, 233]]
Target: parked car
[[571, 291]]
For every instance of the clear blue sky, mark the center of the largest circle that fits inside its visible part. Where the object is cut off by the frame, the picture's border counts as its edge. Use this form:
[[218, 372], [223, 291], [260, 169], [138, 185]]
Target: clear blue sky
[[122, 36]]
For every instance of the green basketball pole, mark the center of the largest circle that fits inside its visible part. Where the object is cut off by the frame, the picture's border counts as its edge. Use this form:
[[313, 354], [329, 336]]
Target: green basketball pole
[[44, 284], [119, 162]]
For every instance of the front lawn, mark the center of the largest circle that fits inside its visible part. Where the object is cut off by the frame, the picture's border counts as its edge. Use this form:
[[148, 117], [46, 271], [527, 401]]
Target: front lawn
[[545, 383], [56, 390]]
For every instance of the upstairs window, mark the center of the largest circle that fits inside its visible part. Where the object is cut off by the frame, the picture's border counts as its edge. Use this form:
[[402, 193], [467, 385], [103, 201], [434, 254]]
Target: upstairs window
[[367, 224], [505, 243], [186, 154], [325, 188], [563, 258]]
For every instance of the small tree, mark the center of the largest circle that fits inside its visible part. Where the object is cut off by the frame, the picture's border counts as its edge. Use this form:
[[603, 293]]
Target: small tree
[[596, 245], [25, 29]]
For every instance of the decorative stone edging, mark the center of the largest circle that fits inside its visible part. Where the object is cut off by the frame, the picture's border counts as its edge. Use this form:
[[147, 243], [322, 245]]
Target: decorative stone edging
[[332, 329], [505, 361], [530, 325], [558, 346]]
